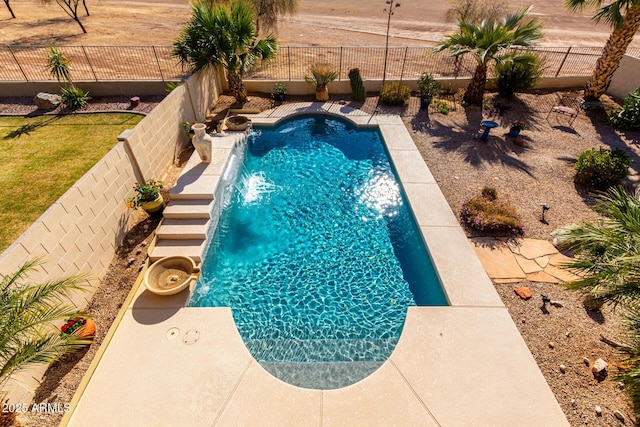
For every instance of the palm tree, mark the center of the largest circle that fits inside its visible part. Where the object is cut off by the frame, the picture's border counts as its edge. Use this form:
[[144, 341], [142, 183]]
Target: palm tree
[[624, 17], [608, 253], [217, 35], [27, 335], [267, 12], [486, 41]]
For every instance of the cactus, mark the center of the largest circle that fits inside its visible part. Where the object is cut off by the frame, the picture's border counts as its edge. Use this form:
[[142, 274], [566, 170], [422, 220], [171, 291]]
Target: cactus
[[357, 86]]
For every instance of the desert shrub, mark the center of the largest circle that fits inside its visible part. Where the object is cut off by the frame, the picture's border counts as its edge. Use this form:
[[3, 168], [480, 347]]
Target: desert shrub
[[395, 93], [488, 214], [627, 117], [428, 87], [516, 73], [74, 97], [441, 106], [601, 168]]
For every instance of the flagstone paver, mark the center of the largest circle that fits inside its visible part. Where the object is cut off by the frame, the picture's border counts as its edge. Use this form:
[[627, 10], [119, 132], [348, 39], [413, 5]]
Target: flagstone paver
[[559, 259], [543, 261], [561, 273], [542, 276], [498, 260], [528, 265], [530, 248], [515, 260]]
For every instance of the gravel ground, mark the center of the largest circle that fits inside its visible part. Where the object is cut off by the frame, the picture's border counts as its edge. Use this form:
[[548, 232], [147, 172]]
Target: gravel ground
[[23, 106], [541, 171]]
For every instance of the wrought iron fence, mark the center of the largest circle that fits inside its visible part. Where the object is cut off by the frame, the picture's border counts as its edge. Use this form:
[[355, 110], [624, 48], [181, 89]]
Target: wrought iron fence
[[100, 63], [91, 63], [409, 62]]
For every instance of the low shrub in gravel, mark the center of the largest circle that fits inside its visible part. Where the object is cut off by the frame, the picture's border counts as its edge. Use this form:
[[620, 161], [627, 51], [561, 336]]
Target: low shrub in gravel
[[488, 214], [395, 93], [601, 168]]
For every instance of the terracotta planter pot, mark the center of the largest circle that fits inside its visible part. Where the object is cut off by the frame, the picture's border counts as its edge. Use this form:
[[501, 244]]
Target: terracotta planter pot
[[322, 93], [88, 331]]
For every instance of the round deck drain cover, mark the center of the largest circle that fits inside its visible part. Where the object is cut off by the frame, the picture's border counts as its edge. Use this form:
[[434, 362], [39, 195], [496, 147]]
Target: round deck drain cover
[[191, 336]]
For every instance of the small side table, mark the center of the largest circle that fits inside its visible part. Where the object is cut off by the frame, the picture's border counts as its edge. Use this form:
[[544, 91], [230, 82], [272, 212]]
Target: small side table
[[487, 125]]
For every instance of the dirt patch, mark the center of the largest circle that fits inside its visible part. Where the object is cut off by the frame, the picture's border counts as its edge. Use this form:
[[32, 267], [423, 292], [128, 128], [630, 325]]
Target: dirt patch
[[345, 23]]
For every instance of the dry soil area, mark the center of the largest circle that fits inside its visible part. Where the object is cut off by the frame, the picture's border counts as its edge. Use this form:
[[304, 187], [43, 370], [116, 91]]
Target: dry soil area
[[344, 23]]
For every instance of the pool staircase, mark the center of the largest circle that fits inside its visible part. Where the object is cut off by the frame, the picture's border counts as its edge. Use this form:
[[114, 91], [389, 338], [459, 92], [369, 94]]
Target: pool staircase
[[188, 215], [184, 229]]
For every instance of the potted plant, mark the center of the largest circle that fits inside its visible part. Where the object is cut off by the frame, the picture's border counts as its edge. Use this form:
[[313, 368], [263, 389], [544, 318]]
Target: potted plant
[[516, 127], [320, 75], [428, 87], [80, 325], [147, 196], [280, 90], [187, 128]]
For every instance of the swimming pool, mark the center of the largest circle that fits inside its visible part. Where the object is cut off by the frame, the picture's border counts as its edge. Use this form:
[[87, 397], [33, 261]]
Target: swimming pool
[[316, 252]]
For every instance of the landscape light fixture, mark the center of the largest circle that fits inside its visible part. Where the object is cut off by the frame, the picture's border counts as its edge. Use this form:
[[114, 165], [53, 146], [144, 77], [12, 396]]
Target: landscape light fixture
[[389, 11], [545, 207]]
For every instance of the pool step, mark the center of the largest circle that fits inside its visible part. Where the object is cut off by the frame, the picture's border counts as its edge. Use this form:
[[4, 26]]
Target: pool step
[[189, 209], [192, 248], [183, 229], [320, 350], [321, 375], [195, 187]]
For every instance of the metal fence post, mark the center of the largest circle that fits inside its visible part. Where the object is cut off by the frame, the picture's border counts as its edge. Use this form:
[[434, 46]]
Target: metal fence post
[[289, 61], [89, 62], [404, 61], [155, 54], [563, 60], [26, 79], [340, 65]]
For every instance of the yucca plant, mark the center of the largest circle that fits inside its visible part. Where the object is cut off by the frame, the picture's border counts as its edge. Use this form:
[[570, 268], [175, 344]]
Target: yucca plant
[[27, 334], [58, 65], [321, 75], [608, 252]]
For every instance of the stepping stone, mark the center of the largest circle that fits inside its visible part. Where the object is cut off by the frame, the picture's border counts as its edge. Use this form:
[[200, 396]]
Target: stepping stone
[[498, 260], [531, 248], [559, 259], [528, 265], [543, 261], [541, 276], [506, 281], [561, 273], [523, 292]]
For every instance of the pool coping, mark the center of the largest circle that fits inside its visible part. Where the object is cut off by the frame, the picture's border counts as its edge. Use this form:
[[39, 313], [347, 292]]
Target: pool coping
[[484, 373]]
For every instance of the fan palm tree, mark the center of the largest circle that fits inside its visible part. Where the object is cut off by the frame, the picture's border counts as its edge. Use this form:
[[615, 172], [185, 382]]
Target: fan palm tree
[[27, 334], [624, 17], [217, 35], [608, 253], [486, 41]]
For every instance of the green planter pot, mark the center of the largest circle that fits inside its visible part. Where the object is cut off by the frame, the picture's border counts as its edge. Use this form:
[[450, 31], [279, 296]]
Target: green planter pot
[[155, 207]]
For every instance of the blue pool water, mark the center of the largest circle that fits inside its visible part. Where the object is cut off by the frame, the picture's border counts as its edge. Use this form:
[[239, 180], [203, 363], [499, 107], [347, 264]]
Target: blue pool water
[[317, 253]]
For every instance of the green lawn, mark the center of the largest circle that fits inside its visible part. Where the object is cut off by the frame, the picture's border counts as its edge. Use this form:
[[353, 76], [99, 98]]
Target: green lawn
[[42, 157]]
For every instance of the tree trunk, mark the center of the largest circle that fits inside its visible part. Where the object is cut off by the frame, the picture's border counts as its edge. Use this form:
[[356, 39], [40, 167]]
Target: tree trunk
[[612, 54], [236, 86], [6, 2], [475, 90], [80, 23]]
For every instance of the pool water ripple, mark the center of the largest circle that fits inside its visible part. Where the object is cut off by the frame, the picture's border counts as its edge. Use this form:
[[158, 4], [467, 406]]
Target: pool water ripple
[[307, 251]]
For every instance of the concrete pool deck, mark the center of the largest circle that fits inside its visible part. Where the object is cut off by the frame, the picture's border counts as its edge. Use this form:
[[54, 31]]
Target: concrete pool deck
[[461, 365]]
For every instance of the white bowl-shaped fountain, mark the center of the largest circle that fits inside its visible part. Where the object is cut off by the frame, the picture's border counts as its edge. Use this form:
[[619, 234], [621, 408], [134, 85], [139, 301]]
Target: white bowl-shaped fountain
[[170, 275]]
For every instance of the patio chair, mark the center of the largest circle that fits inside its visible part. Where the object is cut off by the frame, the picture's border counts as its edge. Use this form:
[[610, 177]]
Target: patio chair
[[568, 107]]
